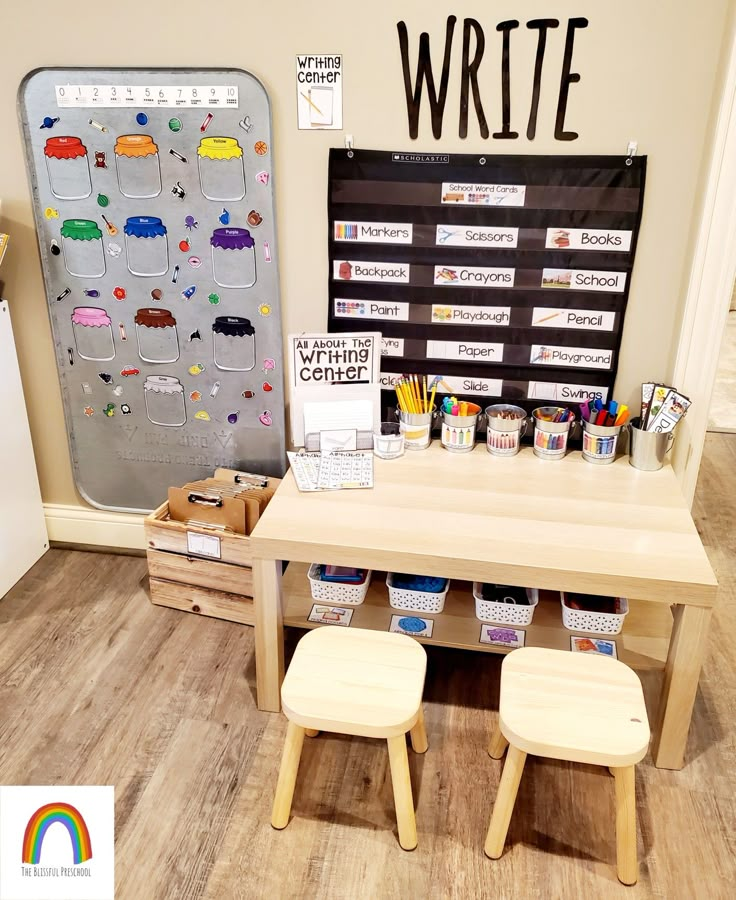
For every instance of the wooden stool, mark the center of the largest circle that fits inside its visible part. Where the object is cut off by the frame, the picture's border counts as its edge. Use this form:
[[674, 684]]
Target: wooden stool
[[355, 681], [580, 707]]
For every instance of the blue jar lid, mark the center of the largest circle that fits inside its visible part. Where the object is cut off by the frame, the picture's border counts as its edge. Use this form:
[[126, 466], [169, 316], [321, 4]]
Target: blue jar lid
[[144, 227]]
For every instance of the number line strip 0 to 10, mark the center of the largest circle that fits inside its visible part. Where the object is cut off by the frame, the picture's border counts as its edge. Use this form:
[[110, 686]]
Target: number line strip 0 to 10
[[113, 96]]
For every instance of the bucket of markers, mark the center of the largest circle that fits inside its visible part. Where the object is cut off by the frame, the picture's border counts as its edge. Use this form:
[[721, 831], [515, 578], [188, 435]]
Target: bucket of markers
[[416, 428], [506, 427], [552, 426], [599, 442], [459, 426]]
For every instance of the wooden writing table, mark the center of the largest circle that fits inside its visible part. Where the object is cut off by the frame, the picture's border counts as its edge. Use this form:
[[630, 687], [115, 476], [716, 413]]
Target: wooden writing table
[[558, 525]]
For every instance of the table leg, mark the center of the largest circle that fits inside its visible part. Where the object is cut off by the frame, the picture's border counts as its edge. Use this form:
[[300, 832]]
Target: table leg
[[681, 673], [269, 633]]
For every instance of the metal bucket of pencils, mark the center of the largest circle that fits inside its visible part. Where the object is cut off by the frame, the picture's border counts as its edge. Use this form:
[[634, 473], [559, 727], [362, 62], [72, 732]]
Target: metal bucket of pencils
[[459, 425], [416, 428], [506, 427], [416, 411], [599, 442], [551, 430]]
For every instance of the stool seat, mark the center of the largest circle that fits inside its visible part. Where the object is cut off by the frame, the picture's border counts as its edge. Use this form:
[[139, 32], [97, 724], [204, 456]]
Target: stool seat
[[581, 707], [355, 681]]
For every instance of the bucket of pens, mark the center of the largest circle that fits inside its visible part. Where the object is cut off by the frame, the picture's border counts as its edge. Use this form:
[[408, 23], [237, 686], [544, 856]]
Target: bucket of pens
[[552, 426], [416, 411], [602, 426], [459, 422]]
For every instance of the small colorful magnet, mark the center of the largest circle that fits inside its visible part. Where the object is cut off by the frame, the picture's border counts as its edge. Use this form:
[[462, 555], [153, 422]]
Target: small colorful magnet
[[194, 336], [184, 245], [119, 293], [206, 123], [125, 409], [265, 418], [142, 118], [109, 410], [121, 329], [49, 121], [114, 249], [262, 178], [190, 222], [213, 298], [246, 124], [91, 293], [264, 309], [86, 388], [178, 191], [195, 262], [98, 125], [254, 218], [64, 293], [215, 389], [127, 371], [261, 148], [105, 376], [89, 411], [267, 386], [269, 364], [195, 396], [175, 275], [233, 417], [175, 125], [202, 415], [51, 213], [248, 395], [118, 390], [189, 292], [156, 294], [196, 369], [103, 200], [267, 251], [70, 354], [177, 155], [224, 217], [112, 230], [100, 159], [55, 248]]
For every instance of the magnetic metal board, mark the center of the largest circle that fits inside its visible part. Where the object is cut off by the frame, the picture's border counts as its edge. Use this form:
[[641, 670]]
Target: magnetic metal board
[[152, 193]]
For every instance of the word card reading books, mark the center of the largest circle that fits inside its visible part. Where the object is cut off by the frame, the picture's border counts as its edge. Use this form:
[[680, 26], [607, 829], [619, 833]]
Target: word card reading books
[[508, 274]]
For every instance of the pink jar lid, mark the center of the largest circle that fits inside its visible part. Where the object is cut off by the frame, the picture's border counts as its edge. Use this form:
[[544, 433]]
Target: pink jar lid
[[90, 315]]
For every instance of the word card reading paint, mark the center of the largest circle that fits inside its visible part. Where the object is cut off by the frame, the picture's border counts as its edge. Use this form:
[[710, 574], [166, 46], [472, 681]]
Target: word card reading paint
[[319, 92]]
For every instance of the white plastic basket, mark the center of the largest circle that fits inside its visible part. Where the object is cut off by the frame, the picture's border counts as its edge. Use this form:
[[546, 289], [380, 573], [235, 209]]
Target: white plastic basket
[[504, 613], [594, 622], [416, 601], [334, 591]]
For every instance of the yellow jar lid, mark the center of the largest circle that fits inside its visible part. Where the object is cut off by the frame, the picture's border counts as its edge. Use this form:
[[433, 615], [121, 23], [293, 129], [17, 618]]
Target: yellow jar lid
[[135, 145], [219, 148]]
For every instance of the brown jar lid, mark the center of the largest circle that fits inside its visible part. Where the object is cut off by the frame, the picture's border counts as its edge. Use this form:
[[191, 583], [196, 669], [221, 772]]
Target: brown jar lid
[[155, 318]]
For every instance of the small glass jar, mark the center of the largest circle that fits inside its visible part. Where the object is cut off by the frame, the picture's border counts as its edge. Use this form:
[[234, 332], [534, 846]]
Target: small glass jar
[[81, 241], [233, 257], [234, 344], [146, 246], [155, 331], [139, 173], [221, 172], [92, 329], [164, 396], [68, 168]]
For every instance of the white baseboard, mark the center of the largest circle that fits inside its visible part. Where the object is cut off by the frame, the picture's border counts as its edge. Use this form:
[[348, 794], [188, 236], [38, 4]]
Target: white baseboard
[[94, 527]]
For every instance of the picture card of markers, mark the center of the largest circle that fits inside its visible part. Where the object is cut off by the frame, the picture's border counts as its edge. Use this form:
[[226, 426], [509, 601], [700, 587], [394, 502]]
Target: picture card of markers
[[332, 471]]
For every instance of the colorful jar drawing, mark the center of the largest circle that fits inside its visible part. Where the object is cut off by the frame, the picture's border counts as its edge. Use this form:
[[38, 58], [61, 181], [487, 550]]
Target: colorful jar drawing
[[233, 257], [164, 396], [155, 330], [146, 246], [92, 329], [221, 172], [81, 242], [136, 160], [68, 168], [234, 344]]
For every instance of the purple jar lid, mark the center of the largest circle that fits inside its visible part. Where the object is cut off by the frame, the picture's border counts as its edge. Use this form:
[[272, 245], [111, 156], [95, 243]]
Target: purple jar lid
[[232, 239]]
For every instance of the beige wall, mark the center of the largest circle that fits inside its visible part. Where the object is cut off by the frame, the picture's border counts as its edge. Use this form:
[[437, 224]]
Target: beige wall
[[648, 73]]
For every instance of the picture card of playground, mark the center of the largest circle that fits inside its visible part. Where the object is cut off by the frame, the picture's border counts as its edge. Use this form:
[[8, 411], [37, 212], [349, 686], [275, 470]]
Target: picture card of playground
[[319, 92], [325, 359]]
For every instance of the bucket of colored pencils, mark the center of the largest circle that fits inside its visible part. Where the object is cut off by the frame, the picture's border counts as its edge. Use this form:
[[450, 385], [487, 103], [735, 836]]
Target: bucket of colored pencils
[[551, 430], [416, 411], [506, 427], [459, 422], [599, 442]]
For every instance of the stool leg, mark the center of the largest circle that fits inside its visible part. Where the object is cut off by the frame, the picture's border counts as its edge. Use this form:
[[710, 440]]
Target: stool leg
[[498, 744], [626, 865], [287, 776], [311, 732], [403, 800], [418, 733], [505, 799]]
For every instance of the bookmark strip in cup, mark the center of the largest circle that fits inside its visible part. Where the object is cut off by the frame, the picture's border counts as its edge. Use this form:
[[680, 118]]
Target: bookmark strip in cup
[[550, 437], [458, 432], [506, 426]]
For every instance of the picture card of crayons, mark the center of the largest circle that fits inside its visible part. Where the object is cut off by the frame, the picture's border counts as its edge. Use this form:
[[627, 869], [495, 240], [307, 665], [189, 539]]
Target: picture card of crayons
[[507, 275]]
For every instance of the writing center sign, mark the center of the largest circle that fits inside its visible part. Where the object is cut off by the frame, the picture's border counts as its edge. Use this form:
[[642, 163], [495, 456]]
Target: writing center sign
[[500, 49], [323, 359]]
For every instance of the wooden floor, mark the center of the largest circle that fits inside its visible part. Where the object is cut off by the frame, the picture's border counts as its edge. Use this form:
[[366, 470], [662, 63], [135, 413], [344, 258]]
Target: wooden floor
[[99, 687]]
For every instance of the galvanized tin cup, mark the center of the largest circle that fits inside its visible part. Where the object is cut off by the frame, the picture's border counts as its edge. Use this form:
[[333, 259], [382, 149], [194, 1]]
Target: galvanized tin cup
[[649, 448], [388, 443], [417, 429], [599, 443], [458, 432], [507, 425], [550, 438]]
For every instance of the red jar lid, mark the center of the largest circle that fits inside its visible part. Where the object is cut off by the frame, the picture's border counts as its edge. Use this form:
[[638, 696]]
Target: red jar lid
[[64, 148]]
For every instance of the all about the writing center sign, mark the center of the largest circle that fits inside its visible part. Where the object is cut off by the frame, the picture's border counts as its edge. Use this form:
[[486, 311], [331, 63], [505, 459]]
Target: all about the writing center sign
[[324, 359]]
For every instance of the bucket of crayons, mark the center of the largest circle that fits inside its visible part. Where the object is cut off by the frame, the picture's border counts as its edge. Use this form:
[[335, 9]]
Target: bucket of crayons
[[416, 411], [599, 442], [459, 422], [551, 430], [506, 427]]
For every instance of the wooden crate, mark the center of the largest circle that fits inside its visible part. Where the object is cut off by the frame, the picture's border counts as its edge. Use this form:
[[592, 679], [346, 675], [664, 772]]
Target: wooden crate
[[162, 533]]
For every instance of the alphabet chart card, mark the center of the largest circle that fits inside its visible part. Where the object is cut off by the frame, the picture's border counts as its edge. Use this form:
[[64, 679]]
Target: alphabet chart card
[[508, 276], [152, 196]]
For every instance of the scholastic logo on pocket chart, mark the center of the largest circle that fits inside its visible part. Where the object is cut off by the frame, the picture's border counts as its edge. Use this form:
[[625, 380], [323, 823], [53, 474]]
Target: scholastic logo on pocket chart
[[373, 232], [584, 280], [475, 236], [570, 356], [483, 194], [396, 273], [473, 276], [464, 350], [588, 239], [576, 393], [582, 319], [371, 309], [471, 315]]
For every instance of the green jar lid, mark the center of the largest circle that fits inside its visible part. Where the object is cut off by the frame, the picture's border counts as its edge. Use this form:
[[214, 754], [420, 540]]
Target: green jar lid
[[80, 229]]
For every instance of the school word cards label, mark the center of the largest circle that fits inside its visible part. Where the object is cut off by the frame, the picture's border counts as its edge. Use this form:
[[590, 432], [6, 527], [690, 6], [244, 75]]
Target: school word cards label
[[483, 194], [579, 357], [111, 96], [374, 232], [414, 626], [588, 239], [476, 236], [593, 645], [393, 273], [329, 615], [582, 319], [319, 92], [464, 350], [473, 276], [471, 315], [574, 393], [502, 636], [584, 280], [372, 309]]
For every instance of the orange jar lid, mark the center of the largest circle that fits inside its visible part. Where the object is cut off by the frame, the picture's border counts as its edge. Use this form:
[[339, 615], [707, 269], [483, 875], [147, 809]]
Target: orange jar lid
[[135, 145]]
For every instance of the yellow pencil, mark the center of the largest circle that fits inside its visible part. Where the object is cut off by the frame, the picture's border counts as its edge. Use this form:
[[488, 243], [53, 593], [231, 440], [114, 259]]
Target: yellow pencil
[[431, 399], [399, 398], [407, 396], [309, 101], [417, 393], [424, 390], [402, 397]]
